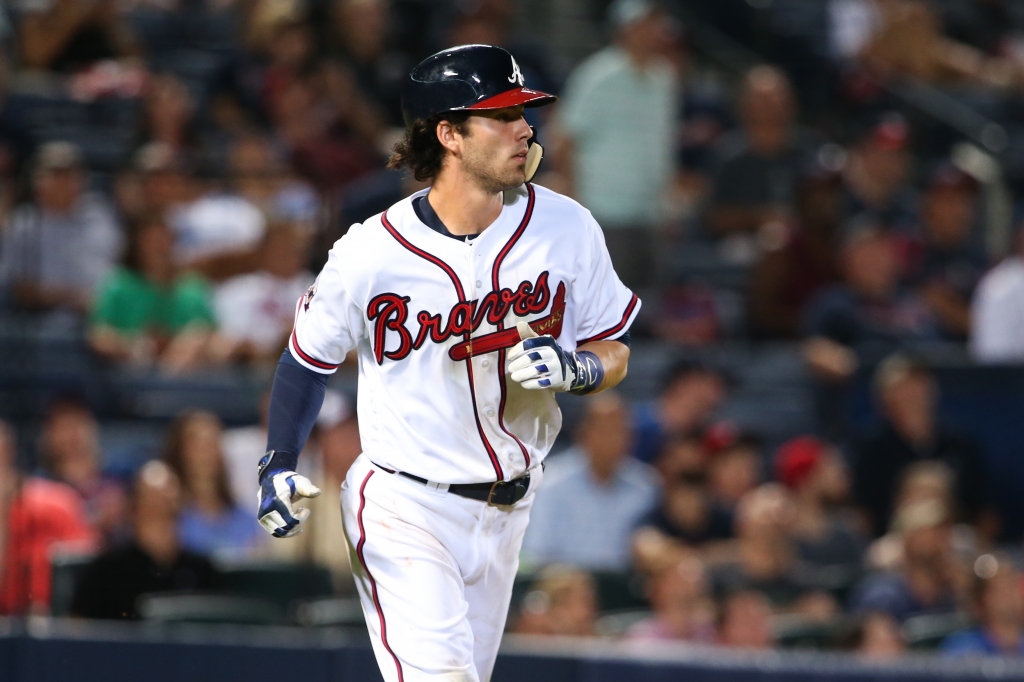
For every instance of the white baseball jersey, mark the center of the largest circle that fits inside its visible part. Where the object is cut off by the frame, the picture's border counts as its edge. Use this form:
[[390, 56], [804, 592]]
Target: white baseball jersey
[[432, 317]]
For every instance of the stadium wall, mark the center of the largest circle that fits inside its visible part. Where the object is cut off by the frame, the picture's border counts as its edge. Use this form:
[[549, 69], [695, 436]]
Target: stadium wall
[[63, 651]]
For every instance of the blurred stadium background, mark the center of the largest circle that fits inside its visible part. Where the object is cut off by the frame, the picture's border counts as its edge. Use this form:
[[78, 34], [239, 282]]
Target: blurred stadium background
[[813, 470]]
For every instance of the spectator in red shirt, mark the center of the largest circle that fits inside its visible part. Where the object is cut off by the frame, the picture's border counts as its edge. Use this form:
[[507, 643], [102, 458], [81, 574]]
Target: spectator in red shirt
[[35, 516]]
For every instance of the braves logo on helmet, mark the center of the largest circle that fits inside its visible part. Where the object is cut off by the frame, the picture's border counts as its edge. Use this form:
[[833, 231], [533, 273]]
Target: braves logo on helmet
[[517, 75]]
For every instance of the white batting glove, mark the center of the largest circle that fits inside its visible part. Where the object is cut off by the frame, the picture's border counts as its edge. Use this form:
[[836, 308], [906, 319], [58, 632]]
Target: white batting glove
[[538, 362], [279, 490]]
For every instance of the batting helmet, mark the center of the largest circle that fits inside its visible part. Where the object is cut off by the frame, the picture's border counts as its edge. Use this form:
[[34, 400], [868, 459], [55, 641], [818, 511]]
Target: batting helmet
[[466, 78]]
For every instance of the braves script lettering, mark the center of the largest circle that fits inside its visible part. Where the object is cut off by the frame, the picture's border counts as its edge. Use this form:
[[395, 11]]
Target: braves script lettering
[[389, 312]]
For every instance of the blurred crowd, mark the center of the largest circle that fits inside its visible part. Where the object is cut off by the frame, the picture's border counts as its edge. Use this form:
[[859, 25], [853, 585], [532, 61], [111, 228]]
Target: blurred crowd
[[793, 198]]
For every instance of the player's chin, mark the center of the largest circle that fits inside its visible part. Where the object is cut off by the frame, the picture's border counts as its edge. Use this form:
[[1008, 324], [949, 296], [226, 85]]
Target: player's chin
[[516, 176]]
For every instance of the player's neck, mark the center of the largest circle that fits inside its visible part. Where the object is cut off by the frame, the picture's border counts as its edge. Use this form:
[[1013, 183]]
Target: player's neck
[[462, 206]]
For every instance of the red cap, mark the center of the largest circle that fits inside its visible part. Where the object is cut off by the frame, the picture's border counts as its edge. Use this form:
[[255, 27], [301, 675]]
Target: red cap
[[720, 436], [891, 134], [796, 459]]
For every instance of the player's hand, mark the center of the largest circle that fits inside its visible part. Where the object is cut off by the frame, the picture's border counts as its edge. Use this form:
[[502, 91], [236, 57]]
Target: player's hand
[[279, 490], [538, 362]]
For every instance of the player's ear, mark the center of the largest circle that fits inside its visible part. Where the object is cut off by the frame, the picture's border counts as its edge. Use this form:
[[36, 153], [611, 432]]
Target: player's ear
[[449, 136]]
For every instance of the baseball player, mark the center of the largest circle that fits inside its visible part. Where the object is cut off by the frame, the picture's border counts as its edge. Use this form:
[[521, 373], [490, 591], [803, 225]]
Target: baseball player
[[469, 305]]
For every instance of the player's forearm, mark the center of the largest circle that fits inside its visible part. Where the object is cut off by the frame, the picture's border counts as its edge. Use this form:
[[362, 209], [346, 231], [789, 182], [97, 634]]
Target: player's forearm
[[614, 356], [295, 402]]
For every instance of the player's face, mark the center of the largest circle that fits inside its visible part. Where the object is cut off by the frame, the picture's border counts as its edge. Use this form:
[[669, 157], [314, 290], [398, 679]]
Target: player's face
[[494, 152]]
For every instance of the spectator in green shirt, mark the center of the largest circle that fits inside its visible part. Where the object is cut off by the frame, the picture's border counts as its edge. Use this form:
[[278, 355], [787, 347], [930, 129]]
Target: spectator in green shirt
[[149, 313]]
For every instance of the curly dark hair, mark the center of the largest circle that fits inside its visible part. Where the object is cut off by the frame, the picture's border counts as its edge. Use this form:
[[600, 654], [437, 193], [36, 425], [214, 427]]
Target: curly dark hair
[[420, 151]]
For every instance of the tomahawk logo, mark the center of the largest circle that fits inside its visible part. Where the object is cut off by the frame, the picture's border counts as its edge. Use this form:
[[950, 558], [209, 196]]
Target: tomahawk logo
[[517, 75]]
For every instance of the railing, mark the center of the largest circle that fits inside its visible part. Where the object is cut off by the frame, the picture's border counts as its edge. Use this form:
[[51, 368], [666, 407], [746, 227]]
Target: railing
[[45, 650]]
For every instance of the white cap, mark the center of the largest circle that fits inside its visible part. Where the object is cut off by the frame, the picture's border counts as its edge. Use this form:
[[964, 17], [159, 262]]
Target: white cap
[[622, 13]]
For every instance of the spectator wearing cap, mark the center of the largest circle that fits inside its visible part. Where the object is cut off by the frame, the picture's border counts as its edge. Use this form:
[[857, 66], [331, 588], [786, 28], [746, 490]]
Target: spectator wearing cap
[[794, 269], [824, 530], [690, 395], [998, 610], [57, 248], [153, 561], [147, 312], [868, 316], [877, 176], [949, 264], [37, 517], [925, 578], [997, 310], [593, 495], [907, 397], [757, 177], [617, 122]]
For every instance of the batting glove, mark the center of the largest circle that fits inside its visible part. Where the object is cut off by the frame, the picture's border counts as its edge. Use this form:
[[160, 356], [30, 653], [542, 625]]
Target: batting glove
[[279, 489], [538, 362]]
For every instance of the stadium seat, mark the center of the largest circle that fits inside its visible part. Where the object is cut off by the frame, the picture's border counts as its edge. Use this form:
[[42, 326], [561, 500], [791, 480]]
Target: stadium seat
[[279, 583], [331, 612], [209, 608], [66, 571], [617, 623], [793, 631], [618, 591], [927, 632]]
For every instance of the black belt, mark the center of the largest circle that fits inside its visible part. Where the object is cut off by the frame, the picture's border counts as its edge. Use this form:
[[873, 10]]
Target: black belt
[[498, 494]]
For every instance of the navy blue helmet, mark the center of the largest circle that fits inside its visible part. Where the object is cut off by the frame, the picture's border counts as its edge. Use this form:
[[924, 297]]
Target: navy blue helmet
[[466, 78]]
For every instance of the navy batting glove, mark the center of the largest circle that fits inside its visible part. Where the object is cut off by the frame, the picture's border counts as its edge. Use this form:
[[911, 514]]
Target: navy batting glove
[[538, 362], [279, 489]]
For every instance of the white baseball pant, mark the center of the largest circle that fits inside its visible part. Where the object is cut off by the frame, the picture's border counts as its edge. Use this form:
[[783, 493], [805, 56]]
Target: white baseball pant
[[434, 572]]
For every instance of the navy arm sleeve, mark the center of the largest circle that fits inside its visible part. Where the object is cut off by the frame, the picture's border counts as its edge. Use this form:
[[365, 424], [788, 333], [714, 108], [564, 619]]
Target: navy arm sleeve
[[295, 402]]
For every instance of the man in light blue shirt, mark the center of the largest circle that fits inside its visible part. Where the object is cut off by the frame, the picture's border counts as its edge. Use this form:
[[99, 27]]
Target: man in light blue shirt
[[619, 118], [593, 495]]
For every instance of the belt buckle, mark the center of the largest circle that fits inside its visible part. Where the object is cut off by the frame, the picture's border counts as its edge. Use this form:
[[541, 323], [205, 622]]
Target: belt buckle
[[515, 485], [490, 495]]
